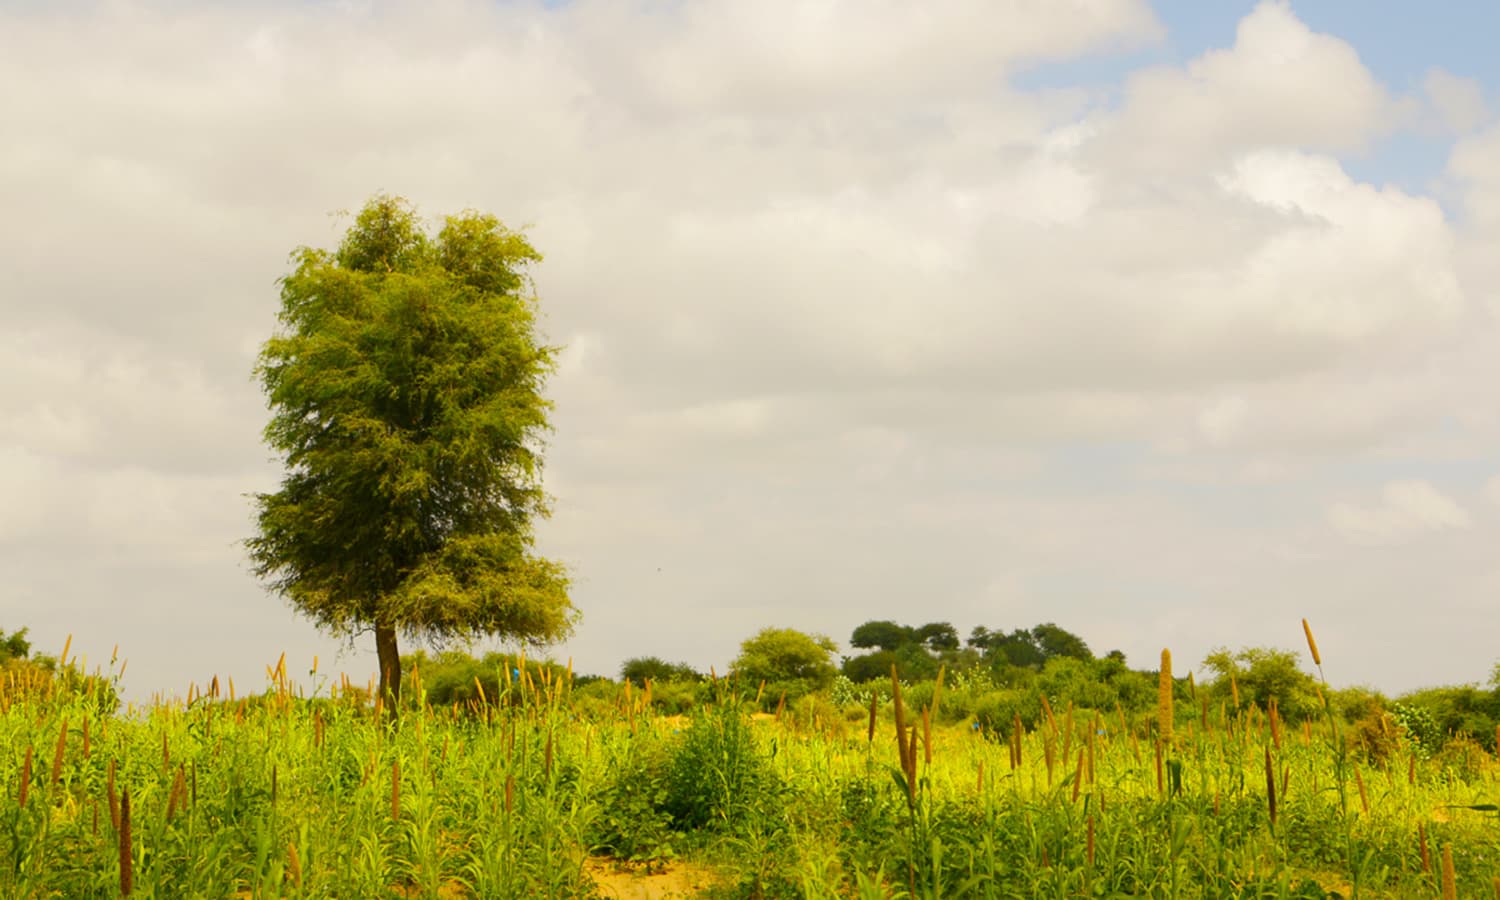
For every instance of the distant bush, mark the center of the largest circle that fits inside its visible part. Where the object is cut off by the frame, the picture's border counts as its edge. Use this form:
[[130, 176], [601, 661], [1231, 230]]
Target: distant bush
[[996, 711], [1420, 728], [677, 697], [1465, 711], [41, 677], [639, 670], [455, 677]]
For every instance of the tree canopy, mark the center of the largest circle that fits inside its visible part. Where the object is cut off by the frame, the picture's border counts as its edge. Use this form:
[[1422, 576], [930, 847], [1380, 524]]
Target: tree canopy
[[792, 660], [640, 669], [1029, 648], [14, 645], [405, 388], [1263, 674]]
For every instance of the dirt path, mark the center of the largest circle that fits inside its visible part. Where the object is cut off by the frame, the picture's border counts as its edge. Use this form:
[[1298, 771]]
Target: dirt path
[[674, 882]]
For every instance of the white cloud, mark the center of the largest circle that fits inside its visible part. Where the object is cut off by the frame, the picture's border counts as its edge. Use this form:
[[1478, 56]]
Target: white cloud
[[1405, 510], [1280, 85], [1457, 102], [1475, 165]]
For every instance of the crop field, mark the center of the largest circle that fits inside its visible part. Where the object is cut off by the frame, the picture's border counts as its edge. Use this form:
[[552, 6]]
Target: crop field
[[535, 790]]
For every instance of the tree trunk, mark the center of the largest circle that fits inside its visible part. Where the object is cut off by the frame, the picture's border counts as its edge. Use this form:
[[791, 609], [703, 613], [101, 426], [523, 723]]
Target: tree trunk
[[390, 668]]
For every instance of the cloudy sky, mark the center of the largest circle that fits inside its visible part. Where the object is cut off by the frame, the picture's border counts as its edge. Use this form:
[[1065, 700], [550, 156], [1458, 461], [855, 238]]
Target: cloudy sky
[[1171, 323]]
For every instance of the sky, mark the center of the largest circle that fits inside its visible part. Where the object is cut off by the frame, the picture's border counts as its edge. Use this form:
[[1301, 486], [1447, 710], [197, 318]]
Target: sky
[[1170, 323]]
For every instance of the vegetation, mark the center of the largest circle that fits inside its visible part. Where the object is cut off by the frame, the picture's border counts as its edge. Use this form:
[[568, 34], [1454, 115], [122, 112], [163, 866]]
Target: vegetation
[[406, 396], [529, 783], [13, 645], [786, 663]]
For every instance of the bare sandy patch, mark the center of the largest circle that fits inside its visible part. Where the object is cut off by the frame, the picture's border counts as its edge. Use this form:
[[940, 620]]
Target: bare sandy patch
[[622, 881]]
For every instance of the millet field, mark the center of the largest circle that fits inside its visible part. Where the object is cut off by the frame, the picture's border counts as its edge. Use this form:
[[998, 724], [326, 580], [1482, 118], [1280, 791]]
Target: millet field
[[519, 781]]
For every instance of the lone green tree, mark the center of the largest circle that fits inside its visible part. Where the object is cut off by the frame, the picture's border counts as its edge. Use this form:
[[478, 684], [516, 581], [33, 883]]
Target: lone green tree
[[787, 660], [405, 389]]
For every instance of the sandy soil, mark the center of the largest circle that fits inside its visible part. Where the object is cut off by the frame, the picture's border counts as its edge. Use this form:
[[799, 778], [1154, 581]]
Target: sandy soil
[[671, 882]]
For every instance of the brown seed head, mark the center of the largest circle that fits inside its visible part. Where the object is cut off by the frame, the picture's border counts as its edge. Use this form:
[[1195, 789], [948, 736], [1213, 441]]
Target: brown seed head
[[1164, 697], [1270, 788], [1312, 645], [25, 779]]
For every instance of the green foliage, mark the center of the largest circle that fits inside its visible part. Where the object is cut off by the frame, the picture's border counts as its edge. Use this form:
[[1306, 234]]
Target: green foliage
[[1065, 680], [710, 778], [14, 645], [290, 798], [871, 666], [916, 653], [881, 634], [455, 677], [1261, 674], [1028, 648], [938, 636], [1421, 729], [845, 692], [1459, 710], [786, 659], [46, 678], [633, 823], [995, 711], [677, 697], [406, 393], [716, 776], [641, 669], [1057, 643]]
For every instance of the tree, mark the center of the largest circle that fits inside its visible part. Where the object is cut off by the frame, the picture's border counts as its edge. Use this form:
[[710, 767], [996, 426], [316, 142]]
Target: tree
[[938, 636], [881, 634], [1016, 649], [14, 645], [874, 666], [405, 386], [780, 655], [640, 669], [1055, 641], [1262, 674]]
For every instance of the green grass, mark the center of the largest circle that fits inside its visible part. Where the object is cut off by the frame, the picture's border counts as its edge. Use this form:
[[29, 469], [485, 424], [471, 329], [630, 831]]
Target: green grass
[[281, 797]]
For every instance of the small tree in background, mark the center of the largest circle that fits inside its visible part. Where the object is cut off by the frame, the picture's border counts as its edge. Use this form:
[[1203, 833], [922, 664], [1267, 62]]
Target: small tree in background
[[14, 645], [405, 387], [790, 660], [640, 669], [1261, 674]]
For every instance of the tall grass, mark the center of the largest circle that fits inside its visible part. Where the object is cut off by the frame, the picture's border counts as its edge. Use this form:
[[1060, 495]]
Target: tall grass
[[510, 794]]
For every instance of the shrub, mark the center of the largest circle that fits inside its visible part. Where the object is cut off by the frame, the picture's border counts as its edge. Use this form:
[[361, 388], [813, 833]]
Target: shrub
[[995, 711], [677, 697], [633, 823], [716, 776], [640, 669], [1420, 727]]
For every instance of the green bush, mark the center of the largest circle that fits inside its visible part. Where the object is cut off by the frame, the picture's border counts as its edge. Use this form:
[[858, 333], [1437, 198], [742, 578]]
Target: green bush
[[1420, 727], [995, 711], [1460, 711], [677, 697], [716, 776], [451, 676], [633, 823], [641, 669]]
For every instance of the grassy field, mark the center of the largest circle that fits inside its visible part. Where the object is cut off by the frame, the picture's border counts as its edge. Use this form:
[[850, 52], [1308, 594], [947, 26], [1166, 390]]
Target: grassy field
[[533, 794]]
